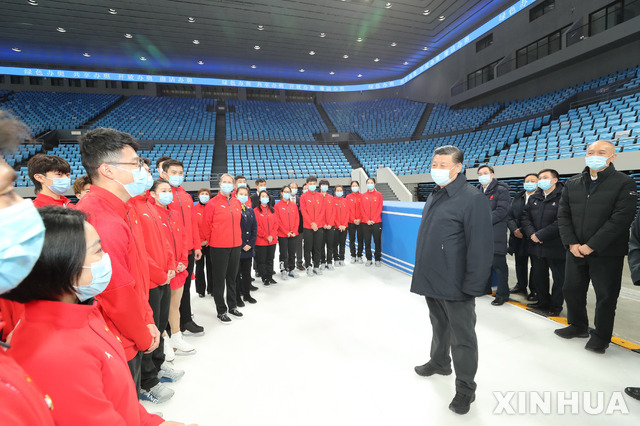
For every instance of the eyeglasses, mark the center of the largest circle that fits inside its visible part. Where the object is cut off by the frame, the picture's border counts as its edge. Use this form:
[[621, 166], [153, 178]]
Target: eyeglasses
[[138, 163]]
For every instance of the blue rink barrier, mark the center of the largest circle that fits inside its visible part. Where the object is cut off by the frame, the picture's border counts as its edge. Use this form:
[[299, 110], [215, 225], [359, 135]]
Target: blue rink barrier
[[400, 223]]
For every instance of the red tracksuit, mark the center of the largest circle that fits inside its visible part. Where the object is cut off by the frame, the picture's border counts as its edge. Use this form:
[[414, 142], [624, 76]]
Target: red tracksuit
[[329, 210], [125, 302], [222, 222], [42, 200], [371, 207], [10, 313], [342, 212], [288, 218], [72, 355], [178, 241], [312, 205], [160, 252], [198, 215], [355, 206], [268, 225], [182, 206]]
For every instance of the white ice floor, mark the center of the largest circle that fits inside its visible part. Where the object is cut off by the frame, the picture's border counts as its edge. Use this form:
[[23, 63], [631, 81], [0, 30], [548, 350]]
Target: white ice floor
[[339, 349]]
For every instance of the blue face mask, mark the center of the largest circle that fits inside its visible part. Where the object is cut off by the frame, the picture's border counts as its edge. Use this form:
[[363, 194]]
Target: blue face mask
[[355, 189], [339, 194], [139, 183], [204, 198], [242, 185], [227, 188], [530, 186], [484, 179], [21, 240], [286, 196], [312, 188], [294, 191], [371, 186], [596, 162], [149, 182], [441, 176], [243, 198], [60, 185], [165, 198], [544, 184], [264, 201], [176, 181], [324, 188], [101, 272], [304, 191]]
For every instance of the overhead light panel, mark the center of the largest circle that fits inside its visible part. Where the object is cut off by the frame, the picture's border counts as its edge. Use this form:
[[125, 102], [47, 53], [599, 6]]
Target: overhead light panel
[[345, 56], [441, 18], [312, 52], [16, 49], [376, 60], [200, 62], [323, 35], [405, 63], [253, 67], [359, 75], [191, 19], [260, 27], [301, 70], [331, 72], [86, 55], [426, 12], [142, 58], [359, 39], [113, 11], [425, 48], [61, 30], [127, 35], [33, 2], [388, 6], [196, 42], [393, 44]]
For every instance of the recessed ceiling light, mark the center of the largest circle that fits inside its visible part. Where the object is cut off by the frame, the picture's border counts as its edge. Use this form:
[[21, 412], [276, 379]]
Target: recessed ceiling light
[[253, 66], [376, 60], [301, 70], [61, 30], [393, 44], [359, 39], [256, 47], [260, 27], [425, 48], [200, 62], [191, 19], [331, 72], [113, 11], [142, 58], [345, 56], [16, 49], [312, 53], [426, 12], [323, 35], [33, 2], [127, 35], [196, 41], [388, 6], [86, 55], [359, 75], [441, 18], [405, 63]]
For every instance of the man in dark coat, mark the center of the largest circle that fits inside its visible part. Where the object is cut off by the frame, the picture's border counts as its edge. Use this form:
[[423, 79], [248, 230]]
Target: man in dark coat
[[596, 210], [634, 266], [518, 243], [453, 261], [540, 225], [499, 199]]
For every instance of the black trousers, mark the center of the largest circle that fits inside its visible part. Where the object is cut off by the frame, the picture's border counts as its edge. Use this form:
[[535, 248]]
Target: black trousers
[[299, 253], [204, 279], [264, 259], [288, 246], [605, 273], [159, 300], [339, 244], [353, 231], [368, 231], [453, 324], [326, 254], [502, 276], [135, 365], [540, 275], [185, 302], [313, 241], [244, 278], [225, 263], [523, 273]]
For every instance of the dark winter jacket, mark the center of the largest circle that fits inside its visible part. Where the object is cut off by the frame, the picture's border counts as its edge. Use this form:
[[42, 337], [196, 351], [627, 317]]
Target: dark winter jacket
[[499, 199], [598, 215], [454, 249], [634, 251], [517, 246], [249, 228], [540, 217]]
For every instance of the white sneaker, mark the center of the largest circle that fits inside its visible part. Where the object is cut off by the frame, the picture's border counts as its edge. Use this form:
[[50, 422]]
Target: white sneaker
[[169, 354], [318, 271], [342, 263], [369, 263], [378, 263], [310, 271], [360, 260], [157, 394], [293, 274], [169, 374], [284, 275], [181, 347], [331, 267], [353, 259]]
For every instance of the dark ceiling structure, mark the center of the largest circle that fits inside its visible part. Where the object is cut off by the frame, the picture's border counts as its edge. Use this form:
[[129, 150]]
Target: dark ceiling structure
[[310, 41]]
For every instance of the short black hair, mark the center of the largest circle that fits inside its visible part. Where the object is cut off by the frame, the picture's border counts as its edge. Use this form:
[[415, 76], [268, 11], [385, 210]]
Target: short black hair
[[285, 187], [259, 181], [171, 162], [60, 263], [324, 182], [486, 166], [157, 183], [12, 132], [530, 174], [354, 181], [338, 186], [101, 145], [456, 153], [242, 188], [162, 160], [235, 179], [553, 172], [312, 179], [40, 164], [372, 178]]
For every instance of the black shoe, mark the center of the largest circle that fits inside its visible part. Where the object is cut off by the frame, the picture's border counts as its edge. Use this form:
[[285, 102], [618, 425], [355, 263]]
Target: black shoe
[[252, 279], [596, 345], [240, 303], [257, 274], [633, 392], [201, 294], [266, 283], [301, 268], [272, 281], [427, 370], [236, 313], [193, 329], [250, 299], [461, 403], [531, 297], [539, 306], [554, 312], [253, 288], [224, 318], [570, 332], [517, 290], [498, 301]]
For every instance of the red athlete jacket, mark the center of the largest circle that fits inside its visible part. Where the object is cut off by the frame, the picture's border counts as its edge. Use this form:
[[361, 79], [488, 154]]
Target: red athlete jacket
[[355, 206], [268, 225], [42, 200], [125, 301], [182, 205], [10, 313], [372, 206], [342, 212], [288, 218], [312, 205], [198, 215], [173, 232], [71, 354], [222, 222], [329, 210]]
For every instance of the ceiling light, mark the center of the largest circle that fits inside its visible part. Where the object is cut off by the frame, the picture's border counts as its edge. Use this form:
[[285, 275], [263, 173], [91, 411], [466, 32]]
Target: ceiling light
[[425, 48], [301, 70], [312, 53], [323, 35], [376, 60], [393, 44], [142, 58], [388, 6], [86, 55], [256, 47], [200, 62], [345, 56], [359, 39], [359, 75], [127, 35], [191, 19], [196, 41], [33, 2], [426, 12], [331, 72], [253, 66], [16, 49], [113, 11], [441, 18], [260, 27], [61, 30], [405, 63]]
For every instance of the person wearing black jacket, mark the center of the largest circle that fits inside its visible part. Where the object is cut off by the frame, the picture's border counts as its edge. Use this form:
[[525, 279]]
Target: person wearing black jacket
[[295, 197], [634, 266], [454, 252], [540, 225], [249, 228], [499, 199], [596, 210], [518, 244], [261, 185]]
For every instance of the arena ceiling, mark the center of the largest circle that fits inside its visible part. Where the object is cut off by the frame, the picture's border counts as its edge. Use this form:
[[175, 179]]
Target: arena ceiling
[[311, 41]]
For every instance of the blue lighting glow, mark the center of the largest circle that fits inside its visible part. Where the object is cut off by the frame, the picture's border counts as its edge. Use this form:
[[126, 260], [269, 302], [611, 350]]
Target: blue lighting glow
[[91, 75]]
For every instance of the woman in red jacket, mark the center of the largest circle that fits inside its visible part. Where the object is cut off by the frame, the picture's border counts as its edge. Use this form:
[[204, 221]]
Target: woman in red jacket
[[355, 222], [372, 221], [267, 238], [341, 225], [203, 283], [62, 339], [160, 196], [288, 233]]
